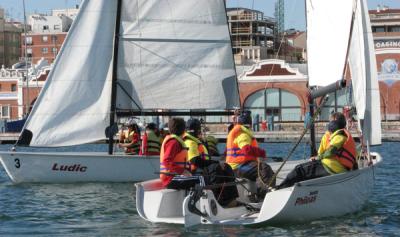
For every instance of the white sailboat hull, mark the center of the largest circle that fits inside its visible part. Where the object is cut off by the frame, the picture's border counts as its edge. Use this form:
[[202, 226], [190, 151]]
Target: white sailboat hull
[[69, 167], [329, 196]]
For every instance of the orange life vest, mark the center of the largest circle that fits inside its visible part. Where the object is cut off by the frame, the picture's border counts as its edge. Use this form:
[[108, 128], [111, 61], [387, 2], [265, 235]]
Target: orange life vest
[[180, 160], [234, 155], [346, 155]]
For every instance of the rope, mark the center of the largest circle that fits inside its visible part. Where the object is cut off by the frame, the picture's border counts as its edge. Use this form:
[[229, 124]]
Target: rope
[[325, 98]]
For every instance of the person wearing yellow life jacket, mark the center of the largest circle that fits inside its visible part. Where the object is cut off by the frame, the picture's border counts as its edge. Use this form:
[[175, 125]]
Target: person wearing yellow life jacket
[[212, 171], [174, 167], [336, 154], [151, 144], [211, 144], [243, 153], [130, 139]]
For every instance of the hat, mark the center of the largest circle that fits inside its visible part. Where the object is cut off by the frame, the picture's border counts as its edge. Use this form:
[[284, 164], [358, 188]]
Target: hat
[[244, 117], [193, 124]]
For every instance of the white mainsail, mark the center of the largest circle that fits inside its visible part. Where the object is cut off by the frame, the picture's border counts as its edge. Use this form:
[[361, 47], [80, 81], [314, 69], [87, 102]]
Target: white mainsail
[[328, 33], [172, 55], [74, 105], [176, 55]]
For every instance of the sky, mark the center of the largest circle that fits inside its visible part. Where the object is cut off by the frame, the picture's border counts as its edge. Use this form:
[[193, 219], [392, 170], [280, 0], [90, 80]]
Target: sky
[[294, 9]]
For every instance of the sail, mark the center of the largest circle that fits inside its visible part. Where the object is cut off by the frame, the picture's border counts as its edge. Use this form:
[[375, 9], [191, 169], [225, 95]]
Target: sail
[[74, 105], [328, 33], [358, 61], [372, 118], [175, 55]]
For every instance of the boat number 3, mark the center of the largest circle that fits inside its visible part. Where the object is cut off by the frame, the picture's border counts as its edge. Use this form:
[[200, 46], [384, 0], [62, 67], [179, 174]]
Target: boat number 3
[[17, 163]]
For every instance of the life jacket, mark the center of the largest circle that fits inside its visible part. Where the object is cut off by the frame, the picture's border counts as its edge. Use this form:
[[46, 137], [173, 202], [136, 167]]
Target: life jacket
[[202, 149], [346, 155], [153, 143], [212, 145], [234, 155], [180, 160], [135, 148]]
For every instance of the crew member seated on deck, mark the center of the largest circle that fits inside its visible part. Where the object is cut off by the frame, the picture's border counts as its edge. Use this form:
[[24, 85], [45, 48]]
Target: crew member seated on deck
[[243, 153], [174, 168], [151, 143], [129, 140], [211, 144], [336, 154], [213, 172]]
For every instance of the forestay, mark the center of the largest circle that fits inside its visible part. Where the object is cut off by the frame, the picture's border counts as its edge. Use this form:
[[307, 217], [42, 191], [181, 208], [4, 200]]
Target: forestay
[[172, 55], [364, 74], [328, 33], [175, 55], [74, 105]]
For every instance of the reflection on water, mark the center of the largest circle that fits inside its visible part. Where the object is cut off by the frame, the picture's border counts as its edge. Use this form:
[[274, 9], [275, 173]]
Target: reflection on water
[[108, 209]]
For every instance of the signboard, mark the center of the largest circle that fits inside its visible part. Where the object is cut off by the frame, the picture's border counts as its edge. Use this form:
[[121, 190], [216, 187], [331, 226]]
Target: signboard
[[389, 71]]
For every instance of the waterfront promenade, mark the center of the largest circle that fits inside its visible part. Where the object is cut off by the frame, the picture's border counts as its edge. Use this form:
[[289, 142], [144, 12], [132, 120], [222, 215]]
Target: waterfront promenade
[[288, 132]]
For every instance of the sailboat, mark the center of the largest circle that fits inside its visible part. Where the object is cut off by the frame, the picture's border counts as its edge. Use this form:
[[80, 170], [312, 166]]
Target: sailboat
[[308, 200], [125, 58]]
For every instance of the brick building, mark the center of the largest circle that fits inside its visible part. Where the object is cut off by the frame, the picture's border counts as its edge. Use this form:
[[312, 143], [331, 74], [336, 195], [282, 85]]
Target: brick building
[[385, 24], [42, 45]]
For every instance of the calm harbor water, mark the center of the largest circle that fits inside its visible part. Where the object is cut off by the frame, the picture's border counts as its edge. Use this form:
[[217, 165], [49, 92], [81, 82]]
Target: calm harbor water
[[108, 209]]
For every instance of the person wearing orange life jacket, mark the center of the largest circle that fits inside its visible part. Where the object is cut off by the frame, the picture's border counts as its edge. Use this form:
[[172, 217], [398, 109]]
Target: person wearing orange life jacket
[[212, 171], [130, 139], [242, 154], [174, 167], [151, 144], [336, 154]]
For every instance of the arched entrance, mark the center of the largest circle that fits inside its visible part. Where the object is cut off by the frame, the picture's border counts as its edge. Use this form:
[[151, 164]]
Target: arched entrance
[[274, 103]]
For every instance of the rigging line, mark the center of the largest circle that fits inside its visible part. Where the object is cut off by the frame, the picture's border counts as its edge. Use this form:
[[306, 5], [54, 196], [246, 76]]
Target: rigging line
[[167, 60], [127, 94]]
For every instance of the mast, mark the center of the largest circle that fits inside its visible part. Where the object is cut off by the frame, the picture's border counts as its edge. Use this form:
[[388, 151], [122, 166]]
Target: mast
[[114, 78], [26, 64]]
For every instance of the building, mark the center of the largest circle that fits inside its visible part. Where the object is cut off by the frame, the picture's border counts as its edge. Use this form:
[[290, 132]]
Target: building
[[385, 23], [17, 94], [276, 90], [42, 45], [10, 41], [252, 35]]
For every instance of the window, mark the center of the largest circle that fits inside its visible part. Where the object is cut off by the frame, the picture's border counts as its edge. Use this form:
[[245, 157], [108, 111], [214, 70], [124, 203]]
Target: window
[[45, 27], [378, 29], [44, 38], [394, 29], [5, 111], [54, 50], [276, 104], [13, 87], [56, 27], [45, 50], [29, 40], [335, 103], [54, 38]]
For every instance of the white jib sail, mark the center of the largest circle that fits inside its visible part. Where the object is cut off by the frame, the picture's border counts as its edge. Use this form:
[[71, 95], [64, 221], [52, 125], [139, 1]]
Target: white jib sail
[[328, 32], [74, 105], [175, 55], [372, 118]]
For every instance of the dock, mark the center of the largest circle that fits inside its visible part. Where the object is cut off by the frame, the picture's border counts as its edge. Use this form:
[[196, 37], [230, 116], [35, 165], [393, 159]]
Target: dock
[[264, 136]]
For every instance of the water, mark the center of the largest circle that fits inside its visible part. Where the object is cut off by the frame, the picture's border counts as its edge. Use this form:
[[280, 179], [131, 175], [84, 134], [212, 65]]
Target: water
[[108, 209]]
